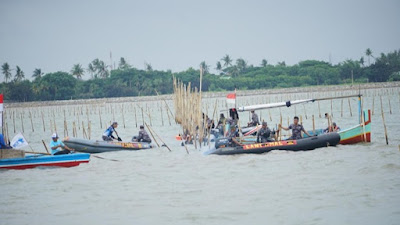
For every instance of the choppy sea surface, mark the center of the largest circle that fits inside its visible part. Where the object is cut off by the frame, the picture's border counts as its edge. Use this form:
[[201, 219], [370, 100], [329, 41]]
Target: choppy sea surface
[[353, 184]]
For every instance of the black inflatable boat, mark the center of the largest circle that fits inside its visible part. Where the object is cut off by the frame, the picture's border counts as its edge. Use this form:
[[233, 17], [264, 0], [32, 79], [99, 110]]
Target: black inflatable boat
[[221, 146]]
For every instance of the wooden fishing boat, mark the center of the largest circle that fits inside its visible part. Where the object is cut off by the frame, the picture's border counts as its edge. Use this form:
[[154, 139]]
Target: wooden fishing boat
[[40, 160], [93, 146], [353, 135], [221, 146]]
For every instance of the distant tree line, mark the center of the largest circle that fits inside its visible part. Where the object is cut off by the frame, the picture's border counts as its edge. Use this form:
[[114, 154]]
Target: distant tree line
[[125, 80]]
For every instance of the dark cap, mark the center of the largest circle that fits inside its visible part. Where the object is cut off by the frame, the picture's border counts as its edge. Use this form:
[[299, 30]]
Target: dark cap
[[264, 123], [141, 127]]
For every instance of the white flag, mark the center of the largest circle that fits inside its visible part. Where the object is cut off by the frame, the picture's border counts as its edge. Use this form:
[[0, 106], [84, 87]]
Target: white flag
[[19, 141]]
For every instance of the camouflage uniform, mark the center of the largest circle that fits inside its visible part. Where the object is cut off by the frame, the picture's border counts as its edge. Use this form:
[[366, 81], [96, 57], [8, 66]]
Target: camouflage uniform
[[143, 136], [296, 131], [263, 135]]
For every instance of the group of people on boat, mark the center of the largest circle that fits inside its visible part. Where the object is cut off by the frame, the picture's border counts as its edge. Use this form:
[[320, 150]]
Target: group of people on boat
[[143, 136], [265, 134], [58, 147]]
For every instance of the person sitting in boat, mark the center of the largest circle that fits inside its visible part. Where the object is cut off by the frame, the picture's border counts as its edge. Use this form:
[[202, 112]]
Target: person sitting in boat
[[232, 135], [264, 134], [3, 144], [143, 135], [254, 119], [333, 128], [107, 135], [58, 147], [296, 129]]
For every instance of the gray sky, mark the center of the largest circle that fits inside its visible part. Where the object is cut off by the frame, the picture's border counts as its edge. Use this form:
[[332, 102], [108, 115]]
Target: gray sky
[[53, 35]]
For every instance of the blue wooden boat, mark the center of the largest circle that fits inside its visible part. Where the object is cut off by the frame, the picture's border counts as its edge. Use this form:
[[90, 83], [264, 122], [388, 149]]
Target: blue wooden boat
[[40, 160]]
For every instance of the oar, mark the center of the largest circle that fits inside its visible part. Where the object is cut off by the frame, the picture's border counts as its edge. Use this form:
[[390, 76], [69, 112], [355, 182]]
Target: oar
[[105, 158], [158, 137], [119, 139], [45, 146]]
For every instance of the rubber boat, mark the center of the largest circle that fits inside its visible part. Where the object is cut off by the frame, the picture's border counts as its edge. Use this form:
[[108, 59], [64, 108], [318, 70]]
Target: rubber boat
[[220, 146], [40, 160], [90, 146]]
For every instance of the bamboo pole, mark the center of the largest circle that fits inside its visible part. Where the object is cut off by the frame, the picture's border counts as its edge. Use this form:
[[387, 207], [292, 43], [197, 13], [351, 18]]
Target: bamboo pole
[[44, 127], [123, 116], [269, 112], [351, 114], [135, 116], [161, 115], [14, 121], [159, 138], [390, 106], [331, 107], [142, 115], [30, 116], [384, 124], [152, 134], [313, 124], [319, 111], [101, 123], [341, 109], [373, 104], [22, 123]]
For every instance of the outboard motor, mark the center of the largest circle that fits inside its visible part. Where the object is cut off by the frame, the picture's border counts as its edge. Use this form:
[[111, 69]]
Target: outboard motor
[[221, 143]]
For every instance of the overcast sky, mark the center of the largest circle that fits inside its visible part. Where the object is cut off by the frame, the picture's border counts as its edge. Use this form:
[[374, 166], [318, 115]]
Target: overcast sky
[[53, 35]]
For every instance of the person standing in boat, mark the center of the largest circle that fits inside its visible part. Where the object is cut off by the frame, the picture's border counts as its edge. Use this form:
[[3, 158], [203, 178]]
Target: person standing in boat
[[254, 119], [296, 129], [107, 135], [264, 134], [58, 147], [143, 135]]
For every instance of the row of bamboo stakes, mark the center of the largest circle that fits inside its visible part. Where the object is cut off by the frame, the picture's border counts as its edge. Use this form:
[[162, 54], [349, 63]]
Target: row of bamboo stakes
[[185, 100]]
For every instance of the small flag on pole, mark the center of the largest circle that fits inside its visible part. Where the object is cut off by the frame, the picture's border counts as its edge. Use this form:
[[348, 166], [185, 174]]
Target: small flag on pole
[[231, 98], [19, 141], [1, 111]]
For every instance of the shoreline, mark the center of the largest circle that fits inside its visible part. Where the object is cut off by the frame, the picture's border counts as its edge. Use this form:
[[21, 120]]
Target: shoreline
[[290, 90]]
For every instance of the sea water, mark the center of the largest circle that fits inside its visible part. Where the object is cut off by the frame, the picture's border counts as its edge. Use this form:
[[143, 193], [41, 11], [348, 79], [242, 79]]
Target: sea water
[[352, 184]]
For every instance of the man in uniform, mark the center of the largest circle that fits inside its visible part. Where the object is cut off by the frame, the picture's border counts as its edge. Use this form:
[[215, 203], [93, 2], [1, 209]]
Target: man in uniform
[[254, 119], [143, 136], [296, 129], [263, 135], [233, 133]]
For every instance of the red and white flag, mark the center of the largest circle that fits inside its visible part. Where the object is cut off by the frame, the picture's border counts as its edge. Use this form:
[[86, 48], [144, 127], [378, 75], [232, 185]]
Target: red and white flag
[[1, 102], [231, 99]]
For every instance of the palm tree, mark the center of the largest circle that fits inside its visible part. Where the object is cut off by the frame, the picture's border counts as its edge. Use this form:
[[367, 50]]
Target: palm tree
[[6, 71], [123, 64], [282, 63], [77, 71], [102, 70], [218, 66], [362, 61], [204, 67], [368, 53], [227, 60], [91, 69], [264, 63], [37, 73], [241, 64], [148, 66], [19, 75]]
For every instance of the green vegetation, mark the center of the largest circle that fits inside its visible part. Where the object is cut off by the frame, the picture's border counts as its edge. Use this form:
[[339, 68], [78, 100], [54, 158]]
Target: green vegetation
[[129, 81]]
